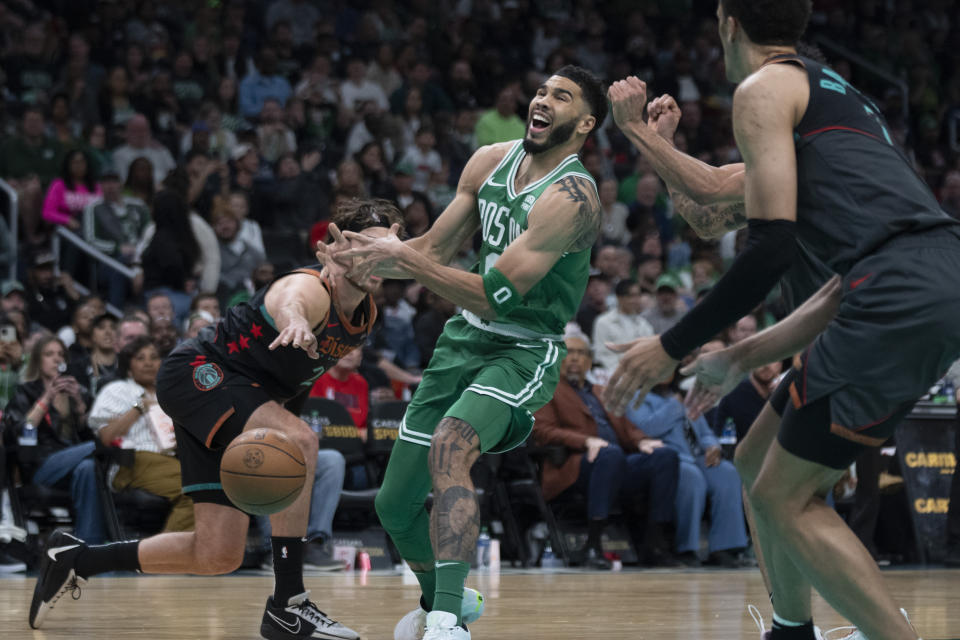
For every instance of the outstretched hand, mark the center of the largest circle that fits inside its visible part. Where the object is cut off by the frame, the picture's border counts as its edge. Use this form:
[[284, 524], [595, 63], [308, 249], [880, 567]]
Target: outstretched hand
[[627, 98], [717, 374], [644, 365], [663, 114], [300, 336]]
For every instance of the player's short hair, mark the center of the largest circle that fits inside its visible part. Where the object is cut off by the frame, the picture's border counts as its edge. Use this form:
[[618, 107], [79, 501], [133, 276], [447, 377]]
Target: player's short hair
[[592, 89], [771, 21], [358, 214]]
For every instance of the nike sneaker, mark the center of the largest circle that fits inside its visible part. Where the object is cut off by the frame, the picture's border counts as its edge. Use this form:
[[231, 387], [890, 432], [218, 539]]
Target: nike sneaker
[[57, 575], [443, 626], [301, 619], [412, 625]]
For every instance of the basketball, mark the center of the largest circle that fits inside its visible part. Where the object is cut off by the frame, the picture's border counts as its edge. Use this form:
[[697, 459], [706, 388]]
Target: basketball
[[262, 471]]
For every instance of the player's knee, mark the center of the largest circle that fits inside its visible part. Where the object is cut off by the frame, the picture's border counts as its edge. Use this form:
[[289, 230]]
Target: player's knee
[[307, 440], [393, 515], [213, 561], [453, 449]]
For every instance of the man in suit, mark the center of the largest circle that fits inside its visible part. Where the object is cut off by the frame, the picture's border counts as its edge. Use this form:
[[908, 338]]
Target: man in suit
[[608, 457]]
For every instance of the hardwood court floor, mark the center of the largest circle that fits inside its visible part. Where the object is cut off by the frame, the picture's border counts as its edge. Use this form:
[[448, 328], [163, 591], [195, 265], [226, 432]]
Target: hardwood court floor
[[661, 605]]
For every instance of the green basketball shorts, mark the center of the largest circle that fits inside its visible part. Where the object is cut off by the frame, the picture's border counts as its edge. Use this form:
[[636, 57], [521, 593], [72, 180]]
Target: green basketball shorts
[[491, 381]]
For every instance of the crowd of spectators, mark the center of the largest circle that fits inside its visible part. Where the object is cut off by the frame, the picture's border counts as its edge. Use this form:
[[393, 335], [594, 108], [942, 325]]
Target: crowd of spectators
[[203, 144]]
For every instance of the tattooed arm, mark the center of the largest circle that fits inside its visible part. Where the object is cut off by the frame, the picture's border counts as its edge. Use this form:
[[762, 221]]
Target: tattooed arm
[[709, 221], [709, 198]]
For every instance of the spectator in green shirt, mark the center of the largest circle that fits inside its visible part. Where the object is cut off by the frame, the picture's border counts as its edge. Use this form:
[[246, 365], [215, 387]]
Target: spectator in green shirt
[[501, 124]]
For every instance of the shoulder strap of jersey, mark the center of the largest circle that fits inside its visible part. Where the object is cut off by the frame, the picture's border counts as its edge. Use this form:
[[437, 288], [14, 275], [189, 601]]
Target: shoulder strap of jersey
[[369, 309]]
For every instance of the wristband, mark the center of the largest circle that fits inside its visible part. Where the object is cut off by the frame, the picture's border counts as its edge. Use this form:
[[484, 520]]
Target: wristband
[[501, 294]]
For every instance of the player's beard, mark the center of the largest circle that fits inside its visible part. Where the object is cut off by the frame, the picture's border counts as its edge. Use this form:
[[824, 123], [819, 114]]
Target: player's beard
[[560, 134]]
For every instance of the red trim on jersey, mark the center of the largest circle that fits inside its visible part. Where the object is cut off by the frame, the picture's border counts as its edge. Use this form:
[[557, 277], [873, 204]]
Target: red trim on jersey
[[839, 128], [859, 281]]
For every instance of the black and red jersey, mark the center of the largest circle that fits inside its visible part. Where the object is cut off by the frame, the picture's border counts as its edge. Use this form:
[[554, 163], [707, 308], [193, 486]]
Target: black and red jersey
[[240, 341]]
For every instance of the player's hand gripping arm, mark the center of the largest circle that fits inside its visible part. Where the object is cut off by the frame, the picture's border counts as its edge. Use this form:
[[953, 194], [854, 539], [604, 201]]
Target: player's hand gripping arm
[[709, 198], [566, 218], [766, 108], [298, 303]]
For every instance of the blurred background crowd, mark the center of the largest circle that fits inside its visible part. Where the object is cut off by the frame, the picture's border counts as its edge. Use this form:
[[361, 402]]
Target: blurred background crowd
[[202, 145]]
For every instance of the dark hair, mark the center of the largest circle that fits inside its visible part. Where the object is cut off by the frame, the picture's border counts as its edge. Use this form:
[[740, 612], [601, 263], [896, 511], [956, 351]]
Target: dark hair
[[171, 215], [129, 352], [623, 287], [592, 89], [356, 214], [770, 21], [147, 185], [88, 181], [202, 296]]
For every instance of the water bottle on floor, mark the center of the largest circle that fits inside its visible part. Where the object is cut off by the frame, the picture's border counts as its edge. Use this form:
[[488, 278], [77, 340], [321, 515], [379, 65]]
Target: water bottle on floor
[[548, 560], [483, 549]]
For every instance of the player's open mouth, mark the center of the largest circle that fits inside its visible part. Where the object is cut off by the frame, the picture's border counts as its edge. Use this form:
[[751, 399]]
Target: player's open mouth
[[539, 122]]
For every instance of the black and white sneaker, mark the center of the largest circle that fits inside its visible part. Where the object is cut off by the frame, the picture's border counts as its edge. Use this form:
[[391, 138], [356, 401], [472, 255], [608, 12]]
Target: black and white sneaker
[[301, 619], [57, 575]]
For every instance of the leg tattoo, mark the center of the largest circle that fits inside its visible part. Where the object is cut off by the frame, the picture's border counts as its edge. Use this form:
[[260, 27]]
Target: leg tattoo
[[455, 518]]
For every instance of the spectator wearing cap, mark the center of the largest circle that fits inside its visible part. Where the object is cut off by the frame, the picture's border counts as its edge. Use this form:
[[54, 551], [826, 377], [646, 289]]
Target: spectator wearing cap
[[668, 307], [98, 366], [237, 256], [501, 124], [70, 193], [114, 224], [620, 324], [51, 297], [262, 83], [140, 144], [13, 297], [196, 322], [403, 178]]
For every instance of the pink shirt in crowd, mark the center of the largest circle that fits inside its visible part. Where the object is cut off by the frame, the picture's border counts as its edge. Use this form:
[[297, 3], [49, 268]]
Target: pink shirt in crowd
[[62, 204]]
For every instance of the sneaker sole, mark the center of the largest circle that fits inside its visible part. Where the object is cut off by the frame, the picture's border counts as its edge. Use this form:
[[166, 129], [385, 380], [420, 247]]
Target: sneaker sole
[[13, 568], [269, 632], [38, 608]]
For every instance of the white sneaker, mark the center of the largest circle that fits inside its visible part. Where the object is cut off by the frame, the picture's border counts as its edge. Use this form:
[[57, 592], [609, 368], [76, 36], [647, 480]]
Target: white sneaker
[[412, 625], [443, 626], [766, 633], [855, 634]]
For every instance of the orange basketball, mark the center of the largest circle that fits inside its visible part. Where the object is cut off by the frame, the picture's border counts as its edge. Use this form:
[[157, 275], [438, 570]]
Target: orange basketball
[[262, 471]]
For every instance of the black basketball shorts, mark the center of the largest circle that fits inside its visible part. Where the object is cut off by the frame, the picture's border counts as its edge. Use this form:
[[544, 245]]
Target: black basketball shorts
[[895, 334], [209, 404]]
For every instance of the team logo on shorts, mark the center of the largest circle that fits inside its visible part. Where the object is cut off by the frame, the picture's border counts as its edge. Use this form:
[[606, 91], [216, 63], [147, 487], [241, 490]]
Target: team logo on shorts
[[207, 376]]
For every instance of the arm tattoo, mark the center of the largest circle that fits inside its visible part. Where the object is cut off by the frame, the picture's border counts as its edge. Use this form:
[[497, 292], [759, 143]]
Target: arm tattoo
[[712, 220], [586, 225], [455, 517]]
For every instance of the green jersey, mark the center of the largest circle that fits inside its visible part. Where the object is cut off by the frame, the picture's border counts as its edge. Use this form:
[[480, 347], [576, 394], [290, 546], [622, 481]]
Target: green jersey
[[553, 301]]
